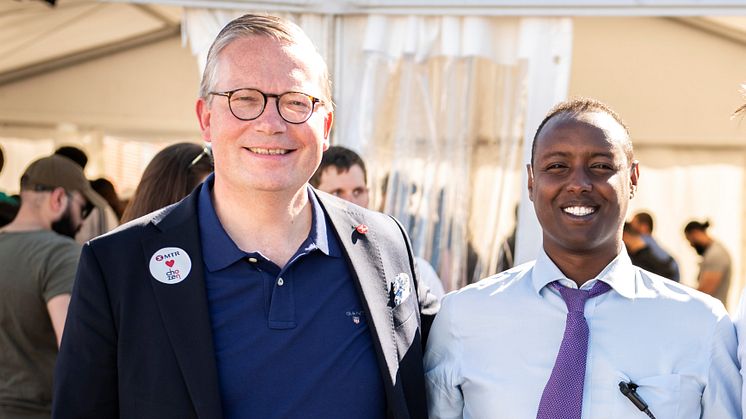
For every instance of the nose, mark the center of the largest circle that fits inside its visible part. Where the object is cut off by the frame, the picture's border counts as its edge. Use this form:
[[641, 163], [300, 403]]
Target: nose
[[579, 181], [270, 121]]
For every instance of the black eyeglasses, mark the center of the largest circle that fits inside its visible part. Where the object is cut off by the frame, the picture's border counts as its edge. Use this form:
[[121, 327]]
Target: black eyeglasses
[[249, 104], [86, 209]]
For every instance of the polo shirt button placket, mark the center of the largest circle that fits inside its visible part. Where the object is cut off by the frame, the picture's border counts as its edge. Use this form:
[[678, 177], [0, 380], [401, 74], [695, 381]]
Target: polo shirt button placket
[[280, 282]]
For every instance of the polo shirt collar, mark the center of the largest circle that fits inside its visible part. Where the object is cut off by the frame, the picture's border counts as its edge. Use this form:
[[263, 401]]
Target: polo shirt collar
[[320, 237], [619, 273], [219, 250]]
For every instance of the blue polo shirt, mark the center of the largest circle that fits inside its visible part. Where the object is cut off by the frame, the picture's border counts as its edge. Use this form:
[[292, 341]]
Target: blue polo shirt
[[291, 342]]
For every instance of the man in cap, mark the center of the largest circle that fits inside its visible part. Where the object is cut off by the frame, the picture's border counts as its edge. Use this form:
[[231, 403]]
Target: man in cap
[[39, 259], [255, 296]]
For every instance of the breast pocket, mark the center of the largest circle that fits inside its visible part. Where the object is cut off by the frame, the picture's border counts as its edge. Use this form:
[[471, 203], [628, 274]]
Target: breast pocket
[[404, 312], [668, 396]]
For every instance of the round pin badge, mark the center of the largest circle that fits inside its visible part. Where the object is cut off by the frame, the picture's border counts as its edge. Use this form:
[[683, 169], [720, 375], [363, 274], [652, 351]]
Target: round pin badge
[[170, 265]]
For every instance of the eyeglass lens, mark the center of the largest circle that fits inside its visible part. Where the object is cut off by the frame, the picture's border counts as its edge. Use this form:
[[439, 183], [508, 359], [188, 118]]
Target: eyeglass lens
[[293, 107]]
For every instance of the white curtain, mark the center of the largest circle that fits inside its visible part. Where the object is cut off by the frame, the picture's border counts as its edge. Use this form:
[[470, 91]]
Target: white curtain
[[436, 105]]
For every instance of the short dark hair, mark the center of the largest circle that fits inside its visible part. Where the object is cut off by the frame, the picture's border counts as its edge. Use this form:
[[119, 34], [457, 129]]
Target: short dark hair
[[579, 106], [629, 229], [696, 225], [340, 157], [73, 153], [645, 218]]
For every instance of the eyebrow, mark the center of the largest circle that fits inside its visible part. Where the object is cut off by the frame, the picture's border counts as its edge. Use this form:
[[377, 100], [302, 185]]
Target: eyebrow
[[567, 154]]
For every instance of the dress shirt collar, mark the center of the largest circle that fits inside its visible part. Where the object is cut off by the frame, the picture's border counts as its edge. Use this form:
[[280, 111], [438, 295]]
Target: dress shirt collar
[[619, 273], [219, 250]]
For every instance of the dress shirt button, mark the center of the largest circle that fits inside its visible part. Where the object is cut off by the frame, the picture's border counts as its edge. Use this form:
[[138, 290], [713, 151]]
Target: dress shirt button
[[280, 282], [252, 260]]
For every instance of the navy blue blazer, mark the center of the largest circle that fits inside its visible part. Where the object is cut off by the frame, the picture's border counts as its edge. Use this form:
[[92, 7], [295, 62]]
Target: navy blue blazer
[[134, 347]]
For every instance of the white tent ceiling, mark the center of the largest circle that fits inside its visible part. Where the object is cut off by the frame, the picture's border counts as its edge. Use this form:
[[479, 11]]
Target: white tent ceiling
[[36, 37]]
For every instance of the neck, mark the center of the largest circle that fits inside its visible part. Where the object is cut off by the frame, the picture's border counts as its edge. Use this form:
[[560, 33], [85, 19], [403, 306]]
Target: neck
[[272, 223], [581, 267], [27, 220]]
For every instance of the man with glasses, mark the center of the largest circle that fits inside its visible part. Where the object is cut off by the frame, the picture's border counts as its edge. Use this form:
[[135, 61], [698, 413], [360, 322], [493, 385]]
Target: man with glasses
[[38, 257], [255, 296]]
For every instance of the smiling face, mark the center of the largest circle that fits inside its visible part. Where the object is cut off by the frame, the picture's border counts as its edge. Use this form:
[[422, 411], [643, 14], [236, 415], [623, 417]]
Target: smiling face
[[580, 183], [267, 153]]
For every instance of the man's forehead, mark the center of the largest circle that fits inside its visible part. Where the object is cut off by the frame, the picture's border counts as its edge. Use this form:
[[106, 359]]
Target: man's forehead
[[606, 128], [263, 55]]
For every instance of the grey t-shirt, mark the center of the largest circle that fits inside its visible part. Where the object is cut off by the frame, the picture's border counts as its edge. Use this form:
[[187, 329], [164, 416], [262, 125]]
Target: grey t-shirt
[[717, 259], [36, 266]]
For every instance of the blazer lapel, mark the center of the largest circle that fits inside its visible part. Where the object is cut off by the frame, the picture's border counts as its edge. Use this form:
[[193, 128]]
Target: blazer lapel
[[364, 256], [183, 306]]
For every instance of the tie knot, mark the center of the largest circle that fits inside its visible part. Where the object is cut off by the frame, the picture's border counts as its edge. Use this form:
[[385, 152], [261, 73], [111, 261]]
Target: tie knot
[[575, 299]]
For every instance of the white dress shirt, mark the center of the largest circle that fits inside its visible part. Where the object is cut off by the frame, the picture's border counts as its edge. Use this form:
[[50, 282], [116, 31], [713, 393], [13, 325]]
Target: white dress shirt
[[494, 343], [740, 320]]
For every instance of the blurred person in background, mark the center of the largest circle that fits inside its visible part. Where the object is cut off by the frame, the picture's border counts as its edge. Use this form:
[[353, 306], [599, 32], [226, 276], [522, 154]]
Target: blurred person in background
[[102, 218], [106, 189], [715, 267], [8, 204], [172, 174], [643, 256], [39, 258], [643, 223], [342, 173]]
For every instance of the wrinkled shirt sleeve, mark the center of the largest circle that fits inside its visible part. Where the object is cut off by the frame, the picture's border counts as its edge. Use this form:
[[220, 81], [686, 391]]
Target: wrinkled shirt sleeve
[[442, 364], [740, 323], [721, 398]]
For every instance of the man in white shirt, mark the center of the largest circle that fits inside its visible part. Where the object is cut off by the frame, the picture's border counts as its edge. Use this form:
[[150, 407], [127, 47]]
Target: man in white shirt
[[519, 345]]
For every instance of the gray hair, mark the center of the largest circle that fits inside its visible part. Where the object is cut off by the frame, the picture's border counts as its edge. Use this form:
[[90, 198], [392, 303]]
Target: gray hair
[[261, 25]]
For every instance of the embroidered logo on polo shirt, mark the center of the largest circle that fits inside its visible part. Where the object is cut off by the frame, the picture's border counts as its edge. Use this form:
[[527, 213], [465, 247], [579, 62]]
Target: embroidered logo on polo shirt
[[170, 265], [356, 316]]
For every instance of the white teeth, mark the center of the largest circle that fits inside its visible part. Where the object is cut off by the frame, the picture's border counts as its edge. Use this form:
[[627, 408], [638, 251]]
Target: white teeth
[[579, 211], [268, 151]]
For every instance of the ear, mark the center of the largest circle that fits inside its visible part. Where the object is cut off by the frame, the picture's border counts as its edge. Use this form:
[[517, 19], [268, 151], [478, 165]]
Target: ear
[[58, 201], [328, 122], [634, 175], [530, 173], [203, 115]]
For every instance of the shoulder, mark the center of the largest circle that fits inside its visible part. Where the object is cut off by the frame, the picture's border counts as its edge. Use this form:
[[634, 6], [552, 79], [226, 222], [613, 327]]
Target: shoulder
[[679, 300], [51, 244], [347, 214], [513, 284], [133, 231], [716, 250]]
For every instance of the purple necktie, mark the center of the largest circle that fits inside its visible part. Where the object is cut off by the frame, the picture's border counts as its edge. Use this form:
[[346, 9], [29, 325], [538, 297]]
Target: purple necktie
[[563, 394]]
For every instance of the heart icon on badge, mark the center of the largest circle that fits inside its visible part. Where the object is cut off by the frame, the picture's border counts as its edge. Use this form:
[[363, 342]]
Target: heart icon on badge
[[170, 263]]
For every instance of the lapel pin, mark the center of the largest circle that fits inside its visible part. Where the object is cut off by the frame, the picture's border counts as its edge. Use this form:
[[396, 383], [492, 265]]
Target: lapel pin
[[362, 229], [170, 265]]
